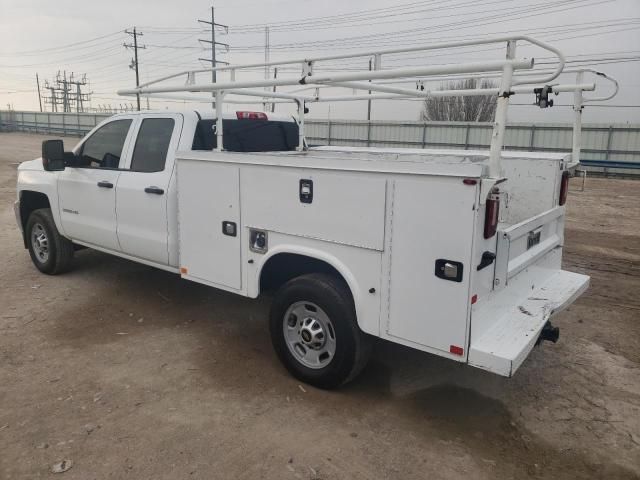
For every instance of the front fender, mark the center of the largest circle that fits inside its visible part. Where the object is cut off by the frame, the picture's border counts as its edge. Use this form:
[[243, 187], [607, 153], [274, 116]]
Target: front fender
[[43, 182]]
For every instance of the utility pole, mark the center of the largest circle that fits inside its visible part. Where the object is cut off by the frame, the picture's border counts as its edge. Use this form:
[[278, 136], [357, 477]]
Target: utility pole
[[39, 96], [266, 60], [369, 101], [134, 62], [213, 60], [273, 103]]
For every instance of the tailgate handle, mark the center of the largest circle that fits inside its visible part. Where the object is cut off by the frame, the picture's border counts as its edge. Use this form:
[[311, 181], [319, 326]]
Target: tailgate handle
[[533, 238], [486, 260]]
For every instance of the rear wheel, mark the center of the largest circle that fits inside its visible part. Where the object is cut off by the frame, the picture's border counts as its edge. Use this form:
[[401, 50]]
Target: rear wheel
[[50, 252], [315, 333]]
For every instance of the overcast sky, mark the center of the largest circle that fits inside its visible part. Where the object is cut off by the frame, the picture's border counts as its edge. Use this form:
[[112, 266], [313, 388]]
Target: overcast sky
[[602, 33]]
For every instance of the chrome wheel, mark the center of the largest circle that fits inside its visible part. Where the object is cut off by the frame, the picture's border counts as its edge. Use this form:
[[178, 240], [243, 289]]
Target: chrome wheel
[[40, 243], [309, 334]]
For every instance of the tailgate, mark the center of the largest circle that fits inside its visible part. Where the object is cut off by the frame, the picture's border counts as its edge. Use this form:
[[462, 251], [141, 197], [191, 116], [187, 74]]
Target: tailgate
[[529, 287], [516, 315], [524, 243]]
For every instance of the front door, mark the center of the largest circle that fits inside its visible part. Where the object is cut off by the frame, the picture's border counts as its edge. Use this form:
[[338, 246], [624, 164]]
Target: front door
[[144, 190], [87, 194]]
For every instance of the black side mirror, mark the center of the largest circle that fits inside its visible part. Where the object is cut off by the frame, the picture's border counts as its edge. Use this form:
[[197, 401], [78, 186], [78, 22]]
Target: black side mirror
[[53, 157]]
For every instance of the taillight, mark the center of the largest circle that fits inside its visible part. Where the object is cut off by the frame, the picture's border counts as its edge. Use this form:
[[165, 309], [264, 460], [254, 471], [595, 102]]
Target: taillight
[[564, 188], [251, 115], [492, 209]]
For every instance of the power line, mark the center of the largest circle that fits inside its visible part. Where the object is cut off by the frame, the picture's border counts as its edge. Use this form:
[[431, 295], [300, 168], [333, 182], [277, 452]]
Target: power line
[[61, 47], [85, 56], [337, 21], [533, 10], [287, 24]]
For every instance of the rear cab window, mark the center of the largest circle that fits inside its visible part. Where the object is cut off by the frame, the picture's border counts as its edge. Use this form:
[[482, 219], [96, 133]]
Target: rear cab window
[[152, 144], [247, 135]]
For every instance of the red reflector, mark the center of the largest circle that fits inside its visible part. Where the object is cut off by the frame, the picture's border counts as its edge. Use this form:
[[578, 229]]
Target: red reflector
[[474, 299], [456, 350], [564, 188], [492, 208], [469, 181], [251, 115]]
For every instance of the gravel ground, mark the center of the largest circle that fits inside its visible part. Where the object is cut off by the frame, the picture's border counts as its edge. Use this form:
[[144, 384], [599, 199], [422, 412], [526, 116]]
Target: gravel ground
[[130, 372]]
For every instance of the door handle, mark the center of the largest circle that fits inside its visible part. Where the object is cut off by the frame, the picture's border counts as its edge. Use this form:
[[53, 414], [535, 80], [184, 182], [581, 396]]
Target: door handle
[[156, 190], [105, 184]]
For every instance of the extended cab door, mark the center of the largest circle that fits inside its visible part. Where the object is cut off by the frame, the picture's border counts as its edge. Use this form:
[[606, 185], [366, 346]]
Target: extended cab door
[[86, 191], [145, 191]]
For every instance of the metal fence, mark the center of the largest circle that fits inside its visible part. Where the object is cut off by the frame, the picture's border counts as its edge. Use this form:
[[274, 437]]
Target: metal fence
[[611, 148], [49, 122]]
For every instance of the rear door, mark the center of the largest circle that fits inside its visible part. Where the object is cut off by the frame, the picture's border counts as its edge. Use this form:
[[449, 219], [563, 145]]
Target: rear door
[[431, 244], [86, 192], [209, 216], [143, 191]]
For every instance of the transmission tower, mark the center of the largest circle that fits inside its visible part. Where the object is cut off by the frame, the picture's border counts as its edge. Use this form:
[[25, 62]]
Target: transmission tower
[[213, 60], [66, 92], [78, 98]]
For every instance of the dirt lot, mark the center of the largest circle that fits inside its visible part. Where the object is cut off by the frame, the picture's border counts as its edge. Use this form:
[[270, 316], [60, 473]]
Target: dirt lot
[[130, 372]]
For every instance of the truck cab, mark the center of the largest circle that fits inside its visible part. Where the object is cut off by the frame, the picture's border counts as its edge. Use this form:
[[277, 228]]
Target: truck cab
[[117, 192]]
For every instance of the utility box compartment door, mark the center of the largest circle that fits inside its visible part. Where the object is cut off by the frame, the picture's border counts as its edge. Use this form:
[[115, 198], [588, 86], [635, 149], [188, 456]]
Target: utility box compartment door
[[339, 207], [431, 243], [208, 197]]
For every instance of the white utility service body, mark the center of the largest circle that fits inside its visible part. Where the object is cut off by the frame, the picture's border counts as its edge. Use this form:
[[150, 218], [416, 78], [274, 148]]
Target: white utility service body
[[383, 218], [453, 252]]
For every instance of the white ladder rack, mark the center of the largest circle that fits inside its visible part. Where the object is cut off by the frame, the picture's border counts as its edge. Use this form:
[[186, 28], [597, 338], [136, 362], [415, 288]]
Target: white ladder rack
[[311, 75]]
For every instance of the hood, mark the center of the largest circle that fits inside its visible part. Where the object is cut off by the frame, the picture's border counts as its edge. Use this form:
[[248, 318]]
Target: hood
[[32, 165]]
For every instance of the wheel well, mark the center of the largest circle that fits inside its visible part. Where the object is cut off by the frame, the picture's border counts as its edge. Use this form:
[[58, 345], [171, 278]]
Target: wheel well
[[282, 267], [30, 201]]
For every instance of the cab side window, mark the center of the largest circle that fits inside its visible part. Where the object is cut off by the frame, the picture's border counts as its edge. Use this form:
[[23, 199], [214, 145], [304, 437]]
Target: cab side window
[[104, 148], [152, 144]]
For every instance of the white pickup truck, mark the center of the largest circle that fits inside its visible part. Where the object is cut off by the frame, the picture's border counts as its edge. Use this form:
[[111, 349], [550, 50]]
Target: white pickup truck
[[418, 247]]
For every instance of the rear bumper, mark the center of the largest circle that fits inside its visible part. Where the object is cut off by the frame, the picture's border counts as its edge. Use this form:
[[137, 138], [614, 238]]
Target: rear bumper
[[516, 323]]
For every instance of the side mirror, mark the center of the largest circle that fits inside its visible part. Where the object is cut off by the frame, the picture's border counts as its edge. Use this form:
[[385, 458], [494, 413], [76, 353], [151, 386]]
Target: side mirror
[[53, 157]]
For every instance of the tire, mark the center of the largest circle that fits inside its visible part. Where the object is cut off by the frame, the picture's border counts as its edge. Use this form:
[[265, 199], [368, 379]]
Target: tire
[[50, 252], [315, 333]]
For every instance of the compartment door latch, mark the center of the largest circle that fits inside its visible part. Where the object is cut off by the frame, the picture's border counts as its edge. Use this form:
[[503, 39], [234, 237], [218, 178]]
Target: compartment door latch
[[449, 270], [229, 228], [306, 190]]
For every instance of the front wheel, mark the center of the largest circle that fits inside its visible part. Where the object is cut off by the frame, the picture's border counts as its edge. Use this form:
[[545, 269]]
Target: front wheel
[[315, 333], [50, 252]]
